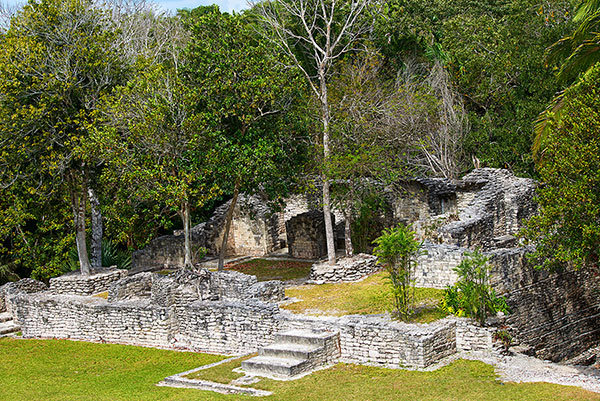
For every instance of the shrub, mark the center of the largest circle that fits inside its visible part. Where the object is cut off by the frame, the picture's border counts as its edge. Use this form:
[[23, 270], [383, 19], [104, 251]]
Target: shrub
[[472, 296], [398, 249], [566, 231]]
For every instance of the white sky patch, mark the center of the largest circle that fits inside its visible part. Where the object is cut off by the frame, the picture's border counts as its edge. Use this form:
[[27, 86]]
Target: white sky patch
[[174, 5], [224, 5]]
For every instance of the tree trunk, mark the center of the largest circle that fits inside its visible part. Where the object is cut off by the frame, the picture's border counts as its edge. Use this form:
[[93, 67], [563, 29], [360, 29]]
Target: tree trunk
[[325, 117], [97, 229], [348, 232], [78, 203], [228, 219], [187, 251]]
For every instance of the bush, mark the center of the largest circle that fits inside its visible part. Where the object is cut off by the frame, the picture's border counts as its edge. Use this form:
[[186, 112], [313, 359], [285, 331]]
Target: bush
[[472, 296], [398, 249], [566, 231]]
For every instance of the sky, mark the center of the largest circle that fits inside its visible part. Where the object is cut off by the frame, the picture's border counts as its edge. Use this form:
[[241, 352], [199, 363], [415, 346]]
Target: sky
[[173, 5]]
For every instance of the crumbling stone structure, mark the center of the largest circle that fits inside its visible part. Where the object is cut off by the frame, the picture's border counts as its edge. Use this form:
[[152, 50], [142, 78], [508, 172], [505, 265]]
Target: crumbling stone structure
[[254, 231], [306, 235]]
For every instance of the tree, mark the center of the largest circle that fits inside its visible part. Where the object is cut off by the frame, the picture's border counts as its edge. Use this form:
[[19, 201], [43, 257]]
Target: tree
[[314, 34], [398, 249], [58, 58], [493, 53], [566, 231], [157, 144], [242, 82], [576, 53]]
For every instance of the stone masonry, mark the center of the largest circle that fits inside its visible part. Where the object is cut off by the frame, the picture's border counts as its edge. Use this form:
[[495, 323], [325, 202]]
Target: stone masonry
[[346, 269], [75, 284], [197, 311], [306, 235]]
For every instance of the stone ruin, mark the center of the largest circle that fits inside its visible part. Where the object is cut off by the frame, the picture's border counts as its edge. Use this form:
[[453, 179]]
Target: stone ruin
[[553, 315], [306, 235]]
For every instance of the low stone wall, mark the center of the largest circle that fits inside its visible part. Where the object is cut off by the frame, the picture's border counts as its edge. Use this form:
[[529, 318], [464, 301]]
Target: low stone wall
[[377, 340], [470, 337], [353, 268], [228, 327], [26, 285], [76, 284]]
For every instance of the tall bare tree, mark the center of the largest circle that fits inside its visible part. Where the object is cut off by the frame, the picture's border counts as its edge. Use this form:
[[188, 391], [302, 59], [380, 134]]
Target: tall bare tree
[[314, 34]]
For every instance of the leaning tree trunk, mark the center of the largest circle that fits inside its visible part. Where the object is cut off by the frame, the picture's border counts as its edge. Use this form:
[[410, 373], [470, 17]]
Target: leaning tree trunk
[[187, 243], [78, 203], [97, 229], [228, 219], [326, 195]]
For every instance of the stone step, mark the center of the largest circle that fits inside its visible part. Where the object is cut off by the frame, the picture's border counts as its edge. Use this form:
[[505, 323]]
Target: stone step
[[305, 337], [289, 350], [8, 328], [5, 317], [275, 367]]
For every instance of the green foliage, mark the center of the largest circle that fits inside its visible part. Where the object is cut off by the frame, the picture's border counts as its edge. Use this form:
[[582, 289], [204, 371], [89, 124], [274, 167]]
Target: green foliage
[[494, 54], [566, 231], [504, 337], [112, 255], [398, 249], [56, 60], [368, 224], [472, 296], [242, 83]]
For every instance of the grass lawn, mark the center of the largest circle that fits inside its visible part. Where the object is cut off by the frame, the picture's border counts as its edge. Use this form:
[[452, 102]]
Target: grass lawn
[[370, 296], [33, 370], [265, 270]]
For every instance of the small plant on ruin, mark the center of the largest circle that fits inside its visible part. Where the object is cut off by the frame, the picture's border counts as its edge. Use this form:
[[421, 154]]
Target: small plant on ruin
[[472, 296], [504, 338], [397, 250]]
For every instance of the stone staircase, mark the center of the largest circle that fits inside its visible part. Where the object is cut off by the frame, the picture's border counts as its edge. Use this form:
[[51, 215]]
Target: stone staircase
[[7, 324], [295, 353]]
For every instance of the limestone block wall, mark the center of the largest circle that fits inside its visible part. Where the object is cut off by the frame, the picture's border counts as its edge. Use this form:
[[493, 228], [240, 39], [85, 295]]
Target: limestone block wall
[[470, 337], [26, 285], [76, 284], [377, 340], [228, 327], [345, 269], [556, 314], [306, 235], [45, 315], [435, 268]]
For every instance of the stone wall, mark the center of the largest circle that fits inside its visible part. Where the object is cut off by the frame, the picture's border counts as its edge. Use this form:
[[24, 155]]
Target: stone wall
[[435, 268], [75, 284], [470, 337], [26, 285], [556, 314], [254, 231], [306, 235], [227, 327], [345, 269], [221, 313]]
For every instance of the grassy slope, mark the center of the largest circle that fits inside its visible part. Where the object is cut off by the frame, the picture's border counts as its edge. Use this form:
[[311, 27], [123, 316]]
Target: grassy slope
[[63, 370], [369, 296]]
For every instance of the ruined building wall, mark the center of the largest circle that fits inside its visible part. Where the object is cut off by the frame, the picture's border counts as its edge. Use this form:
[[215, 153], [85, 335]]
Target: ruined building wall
[[556, 313]]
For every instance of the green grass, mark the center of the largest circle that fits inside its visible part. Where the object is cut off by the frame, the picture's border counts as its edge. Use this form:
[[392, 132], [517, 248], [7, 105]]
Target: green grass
[[222, 373], [33, 370], [265, 270], [370, 296]]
